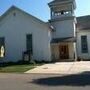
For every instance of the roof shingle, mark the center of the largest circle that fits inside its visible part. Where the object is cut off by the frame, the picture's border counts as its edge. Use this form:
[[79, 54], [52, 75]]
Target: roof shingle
[[83, 23]]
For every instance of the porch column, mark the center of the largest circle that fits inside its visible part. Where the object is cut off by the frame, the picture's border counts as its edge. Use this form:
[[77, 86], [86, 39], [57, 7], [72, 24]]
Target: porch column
[[75, 48]]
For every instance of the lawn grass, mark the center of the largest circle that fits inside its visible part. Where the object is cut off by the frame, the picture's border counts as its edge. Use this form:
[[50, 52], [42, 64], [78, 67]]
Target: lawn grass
[[17, 68]]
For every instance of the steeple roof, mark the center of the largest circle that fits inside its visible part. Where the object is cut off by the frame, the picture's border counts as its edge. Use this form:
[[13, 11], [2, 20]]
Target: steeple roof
[[60, 1]]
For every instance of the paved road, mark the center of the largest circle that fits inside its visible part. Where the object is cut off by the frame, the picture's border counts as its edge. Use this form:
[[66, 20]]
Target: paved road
[[44, 82]]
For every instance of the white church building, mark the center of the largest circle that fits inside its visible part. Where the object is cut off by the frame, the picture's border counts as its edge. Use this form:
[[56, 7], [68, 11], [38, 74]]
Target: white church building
[[62, 38]]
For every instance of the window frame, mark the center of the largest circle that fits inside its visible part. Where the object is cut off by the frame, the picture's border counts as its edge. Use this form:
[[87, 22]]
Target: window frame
[[31, 46], [84, 44]]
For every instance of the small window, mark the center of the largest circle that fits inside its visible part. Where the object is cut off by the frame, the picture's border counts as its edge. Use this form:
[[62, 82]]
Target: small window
[[14, 14], [2, 47], [84, 45]]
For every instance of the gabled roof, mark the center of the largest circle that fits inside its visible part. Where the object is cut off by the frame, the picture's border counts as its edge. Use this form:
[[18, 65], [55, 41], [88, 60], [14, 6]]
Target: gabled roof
[[14, 7], [83, 22]]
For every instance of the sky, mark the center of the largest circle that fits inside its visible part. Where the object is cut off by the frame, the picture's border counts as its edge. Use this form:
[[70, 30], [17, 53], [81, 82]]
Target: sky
[[40, 9]]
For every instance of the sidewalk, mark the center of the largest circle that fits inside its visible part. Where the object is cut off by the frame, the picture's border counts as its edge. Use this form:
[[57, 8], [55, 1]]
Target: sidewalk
[[62, 68]]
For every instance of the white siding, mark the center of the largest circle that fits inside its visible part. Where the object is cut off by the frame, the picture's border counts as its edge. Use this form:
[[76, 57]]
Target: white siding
[[15, 28], [63, 29]]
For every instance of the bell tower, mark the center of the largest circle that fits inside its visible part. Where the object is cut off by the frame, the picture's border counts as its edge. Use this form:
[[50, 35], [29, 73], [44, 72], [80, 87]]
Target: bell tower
[[63, 18], [62, 8], [63, 25]]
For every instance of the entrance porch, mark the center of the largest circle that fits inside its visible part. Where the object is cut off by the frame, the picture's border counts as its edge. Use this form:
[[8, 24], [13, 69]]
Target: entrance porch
[[63, 51]]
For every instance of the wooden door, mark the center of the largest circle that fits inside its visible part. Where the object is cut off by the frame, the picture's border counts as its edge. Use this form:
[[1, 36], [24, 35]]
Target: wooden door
[[64, 52]]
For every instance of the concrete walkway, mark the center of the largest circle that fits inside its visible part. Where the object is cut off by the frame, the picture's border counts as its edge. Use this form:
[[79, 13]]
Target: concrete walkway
[[62, 68]]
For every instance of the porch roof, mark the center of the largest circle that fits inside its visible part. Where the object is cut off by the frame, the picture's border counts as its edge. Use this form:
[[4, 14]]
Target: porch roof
[[67, 39]]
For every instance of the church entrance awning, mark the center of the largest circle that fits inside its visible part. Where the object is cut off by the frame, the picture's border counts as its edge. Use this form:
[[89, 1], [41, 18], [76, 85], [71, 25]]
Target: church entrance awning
[[63, 40]]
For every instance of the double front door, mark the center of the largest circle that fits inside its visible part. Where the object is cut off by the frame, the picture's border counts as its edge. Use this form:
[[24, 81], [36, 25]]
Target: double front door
[[64, 52]]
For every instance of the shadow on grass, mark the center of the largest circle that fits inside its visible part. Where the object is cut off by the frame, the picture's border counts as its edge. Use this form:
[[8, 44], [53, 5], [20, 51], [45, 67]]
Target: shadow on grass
[[82, 79]]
